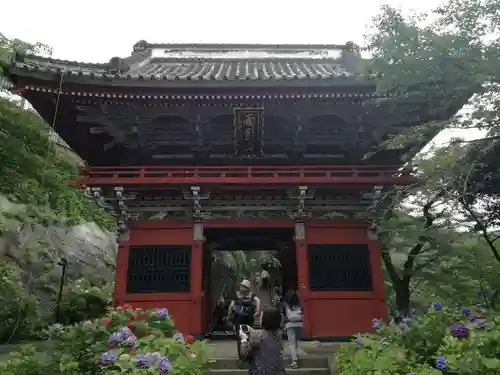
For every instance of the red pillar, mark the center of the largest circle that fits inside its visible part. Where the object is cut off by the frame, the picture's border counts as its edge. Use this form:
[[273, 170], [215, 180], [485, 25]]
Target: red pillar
[[121, 273], [196, 282], [303, 274]]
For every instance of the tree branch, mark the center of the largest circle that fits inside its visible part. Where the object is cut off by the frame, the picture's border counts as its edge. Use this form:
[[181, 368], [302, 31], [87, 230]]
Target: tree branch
[[389, 265], [483, 229], [409, 264]]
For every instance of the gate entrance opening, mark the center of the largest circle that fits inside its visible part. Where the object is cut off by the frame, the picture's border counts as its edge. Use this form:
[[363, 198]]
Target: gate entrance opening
[[253, 250]]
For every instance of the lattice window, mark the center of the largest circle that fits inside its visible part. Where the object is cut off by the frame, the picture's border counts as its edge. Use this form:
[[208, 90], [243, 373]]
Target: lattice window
[[339, 268], [159, 269]]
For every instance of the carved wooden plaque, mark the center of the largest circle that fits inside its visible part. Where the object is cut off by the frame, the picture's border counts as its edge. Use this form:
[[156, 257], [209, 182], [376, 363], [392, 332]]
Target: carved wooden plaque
[[248, 131]]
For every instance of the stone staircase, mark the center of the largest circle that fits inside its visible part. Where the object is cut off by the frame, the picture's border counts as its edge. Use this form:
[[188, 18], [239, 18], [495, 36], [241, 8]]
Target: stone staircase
[[224, 361], [307, 366]]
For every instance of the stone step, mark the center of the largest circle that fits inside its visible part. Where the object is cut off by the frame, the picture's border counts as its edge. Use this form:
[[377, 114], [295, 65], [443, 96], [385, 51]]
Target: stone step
[[301, 371], [234, 363]]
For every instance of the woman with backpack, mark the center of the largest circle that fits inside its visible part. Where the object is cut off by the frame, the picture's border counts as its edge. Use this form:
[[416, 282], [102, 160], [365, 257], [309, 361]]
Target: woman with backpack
[[244, 308], [294, 318], [263, 350]]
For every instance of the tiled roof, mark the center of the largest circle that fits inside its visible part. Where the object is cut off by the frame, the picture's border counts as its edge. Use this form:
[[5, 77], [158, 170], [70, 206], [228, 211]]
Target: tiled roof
[[238, 70], [214, 62], [156, 69]]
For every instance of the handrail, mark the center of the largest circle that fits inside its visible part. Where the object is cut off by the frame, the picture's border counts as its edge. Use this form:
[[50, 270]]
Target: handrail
[[263, 167], [242, 175]]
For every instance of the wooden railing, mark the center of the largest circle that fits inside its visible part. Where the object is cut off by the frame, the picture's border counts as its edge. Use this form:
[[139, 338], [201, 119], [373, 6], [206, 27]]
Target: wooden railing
[[243, 175]]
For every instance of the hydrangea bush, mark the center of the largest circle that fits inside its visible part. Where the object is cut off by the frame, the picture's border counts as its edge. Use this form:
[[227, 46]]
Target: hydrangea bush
[[442, 340], [127, 341]]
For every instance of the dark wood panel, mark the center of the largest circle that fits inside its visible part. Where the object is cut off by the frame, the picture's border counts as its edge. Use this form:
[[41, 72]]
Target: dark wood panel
[[339, 267], [159, 269]]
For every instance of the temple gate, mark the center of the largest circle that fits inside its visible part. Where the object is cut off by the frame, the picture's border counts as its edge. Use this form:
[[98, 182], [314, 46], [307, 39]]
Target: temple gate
[[180, 140]]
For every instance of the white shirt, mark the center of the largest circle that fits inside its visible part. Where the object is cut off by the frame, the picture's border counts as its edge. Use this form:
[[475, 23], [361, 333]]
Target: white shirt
[[264, 274]]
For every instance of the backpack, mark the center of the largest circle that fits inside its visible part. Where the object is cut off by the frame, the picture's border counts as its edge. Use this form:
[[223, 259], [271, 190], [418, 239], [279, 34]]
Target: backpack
[[245, 307], [294, 314]]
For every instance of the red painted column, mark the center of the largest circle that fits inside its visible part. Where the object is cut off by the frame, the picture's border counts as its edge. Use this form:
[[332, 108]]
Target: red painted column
[[121, 272], [196, 282], [303, 275]]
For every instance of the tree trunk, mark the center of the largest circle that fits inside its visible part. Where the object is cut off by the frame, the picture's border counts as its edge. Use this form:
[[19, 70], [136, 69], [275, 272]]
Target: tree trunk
[[402, 290]]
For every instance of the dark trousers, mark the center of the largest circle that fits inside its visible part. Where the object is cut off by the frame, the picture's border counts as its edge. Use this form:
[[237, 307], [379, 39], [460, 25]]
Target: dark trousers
[[265, 283], [238, 321]]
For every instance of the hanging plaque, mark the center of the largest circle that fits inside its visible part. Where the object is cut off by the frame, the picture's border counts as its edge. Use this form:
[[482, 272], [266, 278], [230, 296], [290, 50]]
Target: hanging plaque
[[248, 131]]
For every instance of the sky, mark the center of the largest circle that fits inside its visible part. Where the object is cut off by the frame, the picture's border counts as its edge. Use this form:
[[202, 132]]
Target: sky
[[95, 31]]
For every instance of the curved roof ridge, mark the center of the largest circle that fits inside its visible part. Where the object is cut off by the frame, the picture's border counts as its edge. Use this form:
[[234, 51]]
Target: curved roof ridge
[[251, 46], [51, 60]]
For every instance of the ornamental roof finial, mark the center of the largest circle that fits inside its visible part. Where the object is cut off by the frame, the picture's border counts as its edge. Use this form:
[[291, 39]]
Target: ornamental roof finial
[[139, 47]]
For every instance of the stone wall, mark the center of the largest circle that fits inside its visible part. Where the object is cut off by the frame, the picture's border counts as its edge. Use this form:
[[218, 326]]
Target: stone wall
[[36, 249]]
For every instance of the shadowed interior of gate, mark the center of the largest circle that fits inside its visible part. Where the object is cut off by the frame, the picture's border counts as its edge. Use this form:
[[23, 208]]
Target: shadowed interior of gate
[[222, 245]]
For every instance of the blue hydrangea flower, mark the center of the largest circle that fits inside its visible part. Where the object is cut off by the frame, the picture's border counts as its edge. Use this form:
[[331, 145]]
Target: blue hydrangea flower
[[145, 360], [376, 323], [403, 327], [359, 343], [407, 320], [437, 306], [465, 311], [163, 365], [108, 358], [441, 363], [162, 313], [179, 337]]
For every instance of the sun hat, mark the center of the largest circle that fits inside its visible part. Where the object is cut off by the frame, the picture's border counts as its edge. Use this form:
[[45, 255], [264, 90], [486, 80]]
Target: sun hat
[[246, 283]]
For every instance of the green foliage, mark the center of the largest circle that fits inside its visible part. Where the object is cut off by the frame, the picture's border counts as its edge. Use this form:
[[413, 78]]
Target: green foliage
[[9, 46], [84, 300], [443, 59], [19, 316], [459, 341], [35, 173], [22, 316], [26, 361], [127, 341]]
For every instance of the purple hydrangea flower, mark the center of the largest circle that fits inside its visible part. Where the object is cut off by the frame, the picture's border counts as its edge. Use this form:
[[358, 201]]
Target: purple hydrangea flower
[[179, 337], [465, 311], [108, 358], [126, 332], [163, 365], [478, 321], [130, 340], [459, 331], [162, 313], [441, 363], [437, 306], [376, 323], [145, 360], [407, 320], [403, 327], [115, 338]]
